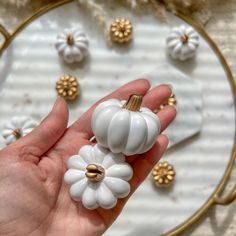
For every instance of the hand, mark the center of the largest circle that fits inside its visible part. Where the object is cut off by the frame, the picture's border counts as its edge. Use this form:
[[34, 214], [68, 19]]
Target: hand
[[33, 197]]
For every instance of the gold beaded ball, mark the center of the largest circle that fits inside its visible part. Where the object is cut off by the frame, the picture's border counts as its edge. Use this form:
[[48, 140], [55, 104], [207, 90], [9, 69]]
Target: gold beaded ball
[[67, 87], [121, 31], [170, 102], [163, 174]]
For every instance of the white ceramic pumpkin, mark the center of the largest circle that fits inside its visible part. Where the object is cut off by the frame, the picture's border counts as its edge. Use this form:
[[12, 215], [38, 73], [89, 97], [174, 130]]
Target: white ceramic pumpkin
[[17, 127], [97, 177], [124, 127], [72, 45], [182, 42]]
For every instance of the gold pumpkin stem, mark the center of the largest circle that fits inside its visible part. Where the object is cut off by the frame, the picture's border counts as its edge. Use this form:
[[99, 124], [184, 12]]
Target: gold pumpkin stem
[[17, 133], [70, 39], [184, 38], [134, 102], [95, 173]]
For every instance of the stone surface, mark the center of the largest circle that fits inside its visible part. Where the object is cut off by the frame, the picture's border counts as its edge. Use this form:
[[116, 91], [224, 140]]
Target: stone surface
[[188, 93]]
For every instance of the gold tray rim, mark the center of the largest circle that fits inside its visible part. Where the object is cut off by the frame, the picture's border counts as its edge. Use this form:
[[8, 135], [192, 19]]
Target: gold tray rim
[[215, 196]]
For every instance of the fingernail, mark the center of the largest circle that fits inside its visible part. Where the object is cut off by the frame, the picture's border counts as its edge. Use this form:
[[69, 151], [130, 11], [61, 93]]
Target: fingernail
[[56, 102], [163, 134]]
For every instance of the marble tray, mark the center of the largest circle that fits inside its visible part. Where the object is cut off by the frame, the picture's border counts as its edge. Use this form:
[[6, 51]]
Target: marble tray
[[30, 66]]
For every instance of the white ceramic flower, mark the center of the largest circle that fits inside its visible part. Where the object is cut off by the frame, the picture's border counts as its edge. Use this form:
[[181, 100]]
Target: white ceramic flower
[[98, 177], [17, 127], [72, 45], [182, 42], [125, 127]]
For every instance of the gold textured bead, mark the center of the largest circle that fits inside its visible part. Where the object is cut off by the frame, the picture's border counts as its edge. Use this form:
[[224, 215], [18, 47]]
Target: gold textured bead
[[67, 87], [95, 173], [163, 174], [170, 102], [121, 30]]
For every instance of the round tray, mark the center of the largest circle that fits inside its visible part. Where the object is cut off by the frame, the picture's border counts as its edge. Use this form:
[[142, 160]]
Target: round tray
[[30, 66]]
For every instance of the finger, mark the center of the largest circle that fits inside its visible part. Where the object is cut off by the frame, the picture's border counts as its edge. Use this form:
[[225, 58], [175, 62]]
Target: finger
[[157, 96], [166, 116], [44, 136], [83, 124]]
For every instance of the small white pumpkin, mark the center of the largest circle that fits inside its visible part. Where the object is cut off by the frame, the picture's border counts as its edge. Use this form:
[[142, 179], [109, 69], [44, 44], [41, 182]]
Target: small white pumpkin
[[17, 127], [98, 177], [124, 127], [72, 45], [182, 42]]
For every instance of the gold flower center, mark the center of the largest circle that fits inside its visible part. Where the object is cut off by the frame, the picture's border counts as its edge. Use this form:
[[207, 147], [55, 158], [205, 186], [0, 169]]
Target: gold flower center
[[122, 27], [66, 86], [17, 133], [70, 39], [95, 173]]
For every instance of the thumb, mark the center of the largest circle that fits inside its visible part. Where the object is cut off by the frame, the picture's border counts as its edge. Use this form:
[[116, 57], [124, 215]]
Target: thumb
[[44, 136]]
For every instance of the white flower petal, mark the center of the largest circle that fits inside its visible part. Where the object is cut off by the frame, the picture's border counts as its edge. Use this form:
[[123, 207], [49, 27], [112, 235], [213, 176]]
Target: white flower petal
[[76, 52], [191, 46], [29, 124], [18, 122], [67, 55], [79, 34], [61, 47], [82, 39], [85, 153], [67, 31], [81, 46], [177, 31], [89, 198], [177, 48], [119, 187], [122, 171], [77, 189], [111, 159], [172, 36], [193, 41], [72, 175], [173, 43], [9, 126], [189, 30], [26, 131], [10, 139], [182, 29], [76, 162], [105, 197], [7, 132], [99, 153]]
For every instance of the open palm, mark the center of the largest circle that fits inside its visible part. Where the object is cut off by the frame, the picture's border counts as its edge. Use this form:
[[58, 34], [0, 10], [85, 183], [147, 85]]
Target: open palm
[[33, 197]]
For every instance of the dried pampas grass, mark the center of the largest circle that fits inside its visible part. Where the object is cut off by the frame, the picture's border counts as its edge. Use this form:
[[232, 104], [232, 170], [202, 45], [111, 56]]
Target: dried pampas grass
[[97, 12], [16, 3], [198, 9]]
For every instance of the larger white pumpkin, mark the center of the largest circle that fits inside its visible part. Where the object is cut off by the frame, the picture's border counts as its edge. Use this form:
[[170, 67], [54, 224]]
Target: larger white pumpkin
[[182, 42], [125, 130], [97, 177]]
